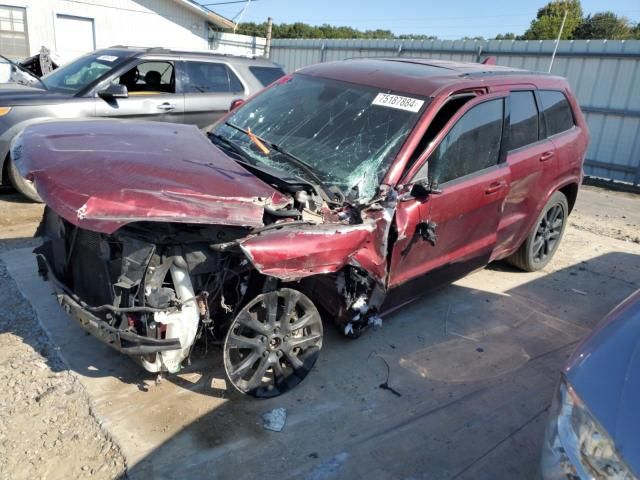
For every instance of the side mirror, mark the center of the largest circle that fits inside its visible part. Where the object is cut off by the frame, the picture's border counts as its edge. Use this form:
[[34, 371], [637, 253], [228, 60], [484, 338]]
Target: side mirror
[[423, 188], [115, 90], [238, 102]]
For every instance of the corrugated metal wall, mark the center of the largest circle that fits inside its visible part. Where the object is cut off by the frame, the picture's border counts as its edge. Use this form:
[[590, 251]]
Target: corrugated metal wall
[[604, 74]]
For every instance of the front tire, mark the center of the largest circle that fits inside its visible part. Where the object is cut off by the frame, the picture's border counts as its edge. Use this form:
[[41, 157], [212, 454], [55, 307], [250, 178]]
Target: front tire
[[543, 240], [273, 343], [22, 185]]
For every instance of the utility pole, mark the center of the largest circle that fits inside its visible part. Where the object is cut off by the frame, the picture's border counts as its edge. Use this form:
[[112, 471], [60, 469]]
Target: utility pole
[[267, 47], [555, 48], [240, 15]]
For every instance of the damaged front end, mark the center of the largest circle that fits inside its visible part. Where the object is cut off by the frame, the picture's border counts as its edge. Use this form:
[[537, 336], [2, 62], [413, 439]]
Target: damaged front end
[[151, 290], [143, 291]]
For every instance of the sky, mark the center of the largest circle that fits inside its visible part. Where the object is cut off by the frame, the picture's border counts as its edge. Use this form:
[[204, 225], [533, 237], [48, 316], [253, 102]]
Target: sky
[[446, 19]]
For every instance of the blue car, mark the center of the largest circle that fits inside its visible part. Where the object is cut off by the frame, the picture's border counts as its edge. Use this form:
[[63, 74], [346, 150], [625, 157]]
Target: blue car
[[594, 425]]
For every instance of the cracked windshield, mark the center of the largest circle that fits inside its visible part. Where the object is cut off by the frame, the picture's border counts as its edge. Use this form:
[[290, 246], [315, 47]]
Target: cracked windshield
[[333, 134]]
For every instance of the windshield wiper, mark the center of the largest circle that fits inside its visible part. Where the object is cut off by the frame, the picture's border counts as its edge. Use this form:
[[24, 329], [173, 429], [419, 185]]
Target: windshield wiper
[[233, 146], [323, 189]]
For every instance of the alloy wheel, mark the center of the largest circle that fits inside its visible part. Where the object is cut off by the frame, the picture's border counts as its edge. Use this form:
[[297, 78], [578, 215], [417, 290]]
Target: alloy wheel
[[548, 233], [273, 343]]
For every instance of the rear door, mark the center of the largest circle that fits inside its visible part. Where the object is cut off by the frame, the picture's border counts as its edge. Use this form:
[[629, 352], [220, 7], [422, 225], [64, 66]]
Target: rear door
[[209, 89], [533, 163], [154, 93], [562, 130], [449, 234]]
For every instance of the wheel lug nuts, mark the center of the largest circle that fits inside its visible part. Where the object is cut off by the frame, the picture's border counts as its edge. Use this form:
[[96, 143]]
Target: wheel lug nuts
[[279, 353]]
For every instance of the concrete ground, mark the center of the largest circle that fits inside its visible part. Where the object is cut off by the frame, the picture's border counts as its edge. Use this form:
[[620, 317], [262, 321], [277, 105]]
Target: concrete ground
[[474, 367]]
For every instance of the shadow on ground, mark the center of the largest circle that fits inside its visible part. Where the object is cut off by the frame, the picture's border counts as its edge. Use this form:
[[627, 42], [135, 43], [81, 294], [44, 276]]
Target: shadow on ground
[[474, 371]]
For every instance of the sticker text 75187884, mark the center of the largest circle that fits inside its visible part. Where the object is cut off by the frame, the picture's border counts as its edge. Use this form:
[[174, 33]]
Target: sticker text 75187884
[[397, 101]]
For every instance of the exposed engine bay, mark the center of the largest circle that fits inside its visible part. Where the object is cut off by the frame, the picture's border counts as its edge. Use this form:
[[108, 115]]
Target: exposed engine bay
[[152, 290]]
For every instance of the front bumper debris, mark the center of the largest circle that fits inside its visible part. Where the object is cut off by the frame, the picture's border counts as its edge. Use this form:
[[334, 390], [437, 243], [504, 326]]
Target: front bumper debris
[[124, 341]]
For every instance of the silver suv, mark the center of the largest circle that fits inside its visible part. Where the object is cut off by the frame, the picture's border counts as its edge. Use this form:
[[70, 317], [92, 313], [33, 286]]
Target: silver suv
[[130, 83]]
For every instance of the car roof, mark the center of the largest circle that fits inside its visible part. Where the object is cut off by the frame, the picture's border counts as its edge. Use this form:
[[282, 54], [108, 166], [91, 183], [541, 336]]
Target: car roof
[[122, 50], [425, 77]]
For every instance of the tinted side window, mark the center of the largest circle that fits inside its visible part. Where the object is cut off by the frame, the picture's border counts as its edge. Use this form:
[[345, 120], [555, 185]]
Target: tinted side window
[[557, 113], [266, 75], [471, 145], [523, 123], [149, 78], [209, 77]]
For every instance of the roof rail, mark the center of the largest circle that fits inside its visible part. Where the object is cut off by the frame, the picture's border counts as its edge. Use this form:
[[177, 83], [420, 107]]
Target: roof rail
[[154, 49], [498, 73]]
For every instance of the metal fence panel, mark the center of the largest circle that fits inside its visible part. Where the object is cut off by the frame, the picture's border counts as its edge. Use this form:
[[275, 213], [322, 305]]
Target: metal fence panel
[[604, 74]]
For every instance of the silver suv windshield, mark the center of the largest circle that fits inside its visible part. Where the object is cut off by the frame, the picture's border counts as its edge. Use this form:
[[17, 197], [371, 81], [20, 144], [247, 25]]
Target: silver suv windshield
[[76, 75], [347, 133]]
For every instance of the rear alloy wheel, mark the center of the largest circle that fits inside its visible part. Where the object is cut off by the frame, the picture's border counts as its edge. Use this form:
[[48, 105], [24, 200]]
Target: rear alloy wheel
[[543, 240], [21, 184], [273, 343]]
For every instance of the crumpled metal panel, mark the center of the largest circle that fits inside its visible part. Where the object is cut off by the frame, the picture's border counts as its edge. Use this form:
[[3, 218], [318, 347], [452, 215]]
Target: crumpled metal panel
[[295, 252], [102, 174]]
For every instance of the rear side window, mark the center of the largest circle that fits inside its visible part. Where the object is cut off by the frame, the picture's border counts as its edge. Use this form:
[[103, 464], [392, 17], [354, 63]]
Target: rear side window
[[209, 77], [557, 112], [266, 75], [523, 122], [473, 144]]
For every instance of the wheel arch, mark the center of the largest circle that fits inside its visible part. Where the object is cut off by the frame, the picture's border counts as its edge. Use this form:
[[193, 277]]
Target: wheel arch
[[4, 169], [570, 191]]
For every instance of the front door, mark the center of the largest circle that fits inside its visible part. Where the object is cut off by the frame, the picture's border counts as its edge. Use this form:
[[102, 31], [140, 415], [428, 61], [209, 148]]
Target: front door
[[151, 86], [445, 235]]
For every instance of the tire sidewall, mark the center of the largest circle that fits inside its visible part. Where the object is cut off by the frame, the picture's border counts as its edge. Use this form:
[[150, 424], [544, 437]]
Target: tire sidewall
[[20, 184], [558, 198]]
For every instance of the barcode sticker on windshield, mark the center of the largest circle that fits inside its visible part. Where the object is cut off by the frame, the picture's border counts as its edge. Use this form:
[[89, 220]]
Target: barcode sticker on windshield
[[396, 101], [107, 58]]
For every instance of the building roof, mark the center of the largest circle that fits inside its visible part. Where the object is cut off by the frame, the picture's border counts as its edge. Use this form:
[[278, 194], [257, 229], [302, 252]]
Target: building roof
[[205, 13], [417, 76]]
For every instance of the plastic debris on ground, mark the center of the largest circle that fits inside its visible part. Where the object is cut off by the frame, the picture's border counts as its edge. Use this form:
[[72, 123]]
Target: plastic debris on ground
[[275, 419]]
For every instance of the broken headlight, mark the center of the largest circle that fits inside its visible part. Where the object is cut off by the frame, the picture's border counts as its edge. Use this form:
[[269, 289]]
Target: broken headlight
[[578, 443]]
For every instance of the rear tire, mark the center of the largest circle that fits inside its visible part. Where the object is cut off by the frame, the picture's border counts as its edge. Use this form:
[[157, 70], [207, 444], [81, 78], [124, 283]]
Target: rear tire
[[22, 185], [543, 240]]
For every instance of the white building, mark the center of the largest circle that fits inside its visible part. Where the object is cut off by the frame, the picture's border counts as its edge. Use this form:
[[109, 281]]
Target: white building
[[73, 27]]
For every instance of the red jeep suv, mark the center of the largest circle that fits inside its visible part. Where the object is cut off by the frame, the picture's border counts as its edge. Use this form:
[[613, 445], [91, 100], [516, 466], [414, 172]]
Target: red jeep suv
[[347, 188]]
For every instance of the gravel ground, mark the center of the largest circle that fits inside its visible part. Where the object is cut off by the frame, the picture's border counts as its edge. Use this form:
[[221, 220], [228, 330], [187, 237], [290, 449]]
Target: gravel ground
[[47, 427]]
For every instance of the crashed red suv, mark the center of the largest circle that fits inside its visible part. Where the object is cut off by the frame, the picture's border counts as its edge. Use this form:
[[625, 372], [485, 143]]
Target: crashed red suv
[[347, 189]]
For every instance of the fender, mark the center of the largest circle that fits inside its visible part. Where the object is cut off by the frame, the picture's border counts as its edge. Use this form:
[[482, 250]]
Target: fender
[[560, 183]]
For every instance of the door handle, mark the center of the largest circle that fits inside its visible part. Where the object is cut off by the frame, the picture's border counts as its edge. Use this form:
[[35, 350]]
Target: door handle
[[546, 156], [166, 106], [494, 187]]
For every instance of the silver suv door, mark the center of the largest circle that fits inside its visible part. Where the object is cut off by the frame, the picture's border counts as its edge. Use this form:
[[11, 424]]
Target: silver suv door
[[209, 88], [152, 93]]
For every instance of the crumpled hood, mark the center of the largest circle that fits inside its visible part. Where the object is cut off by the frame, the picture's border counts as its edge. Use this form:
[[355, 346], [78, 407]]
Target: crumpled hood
[[605, 372], [102, 174]]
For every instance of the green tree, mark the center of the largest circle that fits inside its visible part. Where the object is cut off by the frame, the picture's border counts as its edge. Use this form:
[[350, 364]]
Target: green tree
[[506, 36], [604, 25], [303, 30], [547, 23]]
